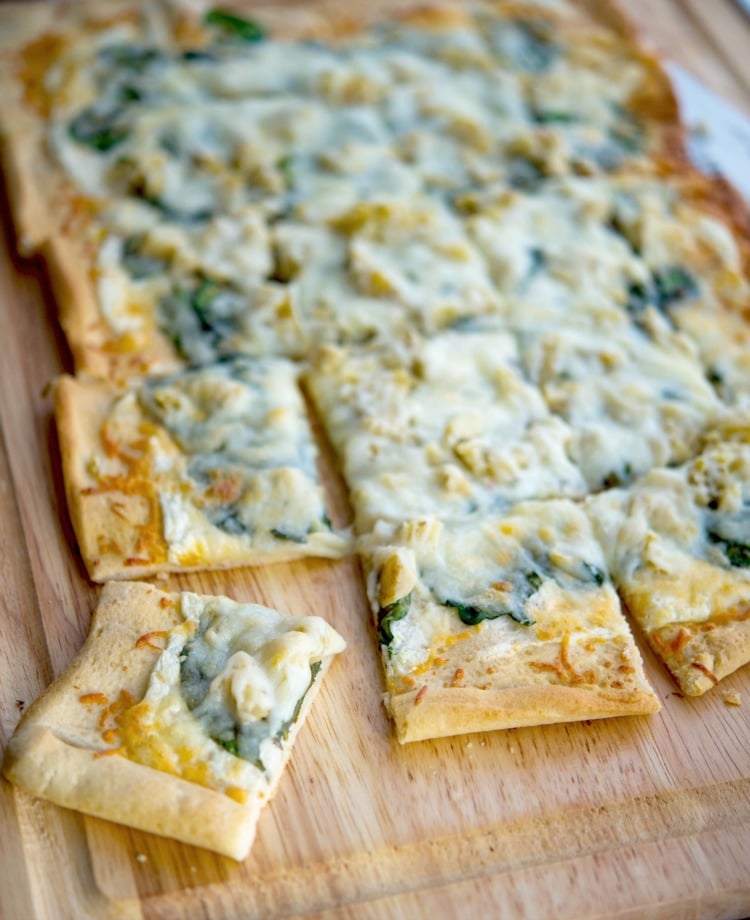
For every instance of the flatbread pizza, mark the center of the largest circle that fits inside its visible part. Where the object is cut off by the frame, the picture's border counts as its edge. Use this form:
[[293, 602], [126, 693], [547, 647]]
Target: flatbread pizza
[[178, 715]]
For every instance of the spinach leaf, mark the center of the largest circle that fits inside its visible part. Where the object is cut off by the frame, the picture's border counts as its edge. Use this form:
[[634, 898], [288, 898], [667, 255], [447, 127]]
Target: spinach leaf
[[533, 580], [201, 320], [552, 116], [638, 298], [594, 573], [673, 284], [98, 128], [737, 553], [235, 26], [471, 614], [283, 733], [524, 174], [198, 55], [229, 744], [287, 535], [668, 287], [226, 518], [388, 615], [617, 478]]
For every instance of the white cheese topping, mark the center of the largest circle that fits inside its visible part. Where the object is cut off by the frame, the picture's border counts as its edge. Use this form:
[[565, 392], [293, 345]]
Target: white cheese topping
[[229, 686]]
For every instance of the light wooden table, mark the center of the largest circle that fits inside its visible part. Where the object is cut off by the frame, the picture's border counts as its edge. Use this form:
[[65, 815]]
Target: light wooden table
[[623, 818]]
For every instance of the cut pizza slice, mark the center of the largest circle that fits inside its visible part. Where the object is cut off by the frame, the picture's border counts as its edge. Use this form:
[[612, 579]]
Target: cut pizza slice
[[212, 467], [631, 402], [500, 622], [679, 547], [178, 715], [446, 426]]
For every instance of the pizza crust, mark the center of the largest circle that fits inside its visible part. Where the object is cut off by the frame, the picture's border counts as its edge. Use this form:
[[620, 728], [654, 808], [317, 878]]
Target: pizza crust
[[58, 752], [543, 684], [36, 181], [699, 655], [438, 712]]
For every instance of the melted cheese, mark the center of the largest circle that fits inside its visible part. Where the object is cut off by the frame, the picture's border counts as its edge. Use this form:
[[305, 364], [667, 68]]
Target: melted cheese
[[209, 145], [228, 664], [632, 403], [446, 427], [678, 538], [534, 575], [232, 461]]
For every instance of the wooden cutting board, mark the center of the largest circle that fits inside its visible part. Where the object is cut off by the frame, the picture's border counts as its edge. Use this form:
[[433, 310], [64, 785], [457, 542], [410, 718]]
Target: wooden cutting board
[[626, 817]]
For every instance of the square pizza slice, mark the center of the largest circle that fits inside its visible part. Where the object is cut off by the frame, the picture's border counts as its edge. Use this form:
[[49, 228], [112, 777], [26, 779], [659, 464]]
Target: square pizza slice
[[500, 622], [445, 426], [178, 715], [212, 467], [679, 546]]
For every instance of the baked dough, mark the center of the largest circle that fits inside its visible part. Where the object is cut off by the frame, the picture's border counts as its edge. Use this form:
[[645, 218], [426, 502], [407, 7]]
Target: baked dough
[[81, 745], [511, 281], [211, 467], [495, 624], [304, 156], [677, 547]]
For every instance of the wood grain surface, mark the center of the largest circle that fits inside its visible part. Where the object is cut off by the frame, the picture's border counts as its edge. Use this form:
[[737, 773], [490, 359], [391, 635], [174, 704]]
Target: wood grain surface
[[619, 818]]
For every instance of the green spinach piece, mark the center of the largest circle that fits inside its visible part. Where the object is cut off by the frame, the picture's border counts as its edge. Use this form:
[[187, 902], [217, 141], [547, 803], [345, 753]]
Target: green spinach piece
[[229, 744], [552, 116], [594, 573], [524, 174], [227, 518], [471, 614], [286, 535], [668, 286], [388, 615], [235, 26], [673, 284], [283, 733], [737, 553], [201, 321], [638, 298], [98, 128], [533, 580], [615, 479]]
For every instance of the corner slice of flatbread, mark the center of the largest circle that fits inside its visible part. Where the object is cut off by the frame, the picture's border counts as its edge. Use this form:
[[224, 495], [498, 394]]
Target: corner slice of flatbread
[[212, 467], [499, 623], [678, 542], [178, 715]]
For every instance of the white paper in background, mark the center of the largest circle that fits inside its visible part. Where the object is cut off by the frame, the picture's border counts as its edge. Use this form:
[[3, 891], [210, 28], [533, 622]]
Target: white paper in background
[[719, 135]]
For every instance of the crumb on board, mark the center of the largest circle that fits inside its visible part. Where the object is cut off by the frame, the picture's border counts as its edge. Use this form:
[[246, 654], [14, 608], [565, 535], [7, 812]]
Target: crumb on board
[[141, 857], [732, 697]]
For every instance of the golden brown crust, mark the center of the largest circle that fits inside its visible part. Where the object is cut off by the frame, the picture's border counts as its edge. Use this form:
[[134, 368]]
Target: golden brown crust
[[699, 655], [538, 683], [118, 530], [434, 712], [61, 753], [50, 213]]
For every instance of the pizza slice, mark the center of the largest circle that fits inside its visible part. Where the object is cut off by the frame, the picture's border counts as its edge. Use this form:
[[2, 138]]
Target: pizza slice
[[500, 622], [151, 150], [679, 546], [446, 426], [212, 467], [178, 715], [632, 402]]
